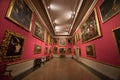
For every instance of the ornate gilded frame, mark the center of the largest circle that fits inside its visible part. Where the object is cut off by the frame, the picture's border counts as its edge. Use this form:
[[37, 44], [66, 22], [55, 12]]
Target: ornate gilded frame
[[20, 13], [12, 46], [90, 50], [90, 29], [37, 49]]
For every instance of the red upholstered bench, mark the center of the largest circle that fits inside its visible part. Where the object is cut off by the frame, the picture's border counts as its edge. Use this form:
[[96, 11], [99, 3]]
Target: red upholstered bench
[[4, 76]]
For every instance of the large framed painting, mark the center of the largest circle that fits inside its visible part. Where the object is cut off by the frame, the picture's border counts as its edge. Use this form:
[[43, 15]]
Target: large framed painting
[[109, 8], [116, 34], [90, 29], [62, 41], [37, 49], [38, 31], [55, 40], [90, 51], [20, 13], [12, 46]]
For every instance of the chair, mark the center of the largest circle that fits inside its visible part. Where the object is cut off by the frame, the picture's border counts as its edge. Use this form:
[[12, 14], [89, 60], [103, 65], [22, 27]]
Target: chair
[[4, 76]]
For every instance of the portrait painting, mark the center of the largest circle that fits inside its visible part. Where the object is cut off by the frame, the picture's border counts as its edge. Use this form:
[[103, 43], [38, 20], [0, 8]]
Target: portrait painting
[[116, 34], [12, 46], [38, 31], [55, 50], [90, 29], [69, 41], [69, 50], [62, 41], [90, 50], [37, 49], [20, 13], [109, 8]]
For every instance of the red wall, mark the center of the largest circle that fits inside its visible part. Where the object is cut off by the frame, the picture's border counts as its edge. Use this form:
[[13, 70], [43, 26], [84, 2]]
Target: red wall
[[30, 41], [105, 48]]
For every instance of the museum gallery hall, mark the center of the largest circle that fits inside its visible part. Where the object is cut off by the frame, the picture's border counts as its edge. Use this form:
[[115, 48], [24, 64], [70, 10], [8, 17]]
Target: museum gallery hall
[[59, 39]]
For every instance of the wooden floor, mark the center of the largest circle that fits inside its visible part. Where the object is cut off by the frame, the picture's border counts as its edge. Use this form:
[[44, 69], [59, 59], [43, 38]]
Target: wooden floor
[[61, 69]]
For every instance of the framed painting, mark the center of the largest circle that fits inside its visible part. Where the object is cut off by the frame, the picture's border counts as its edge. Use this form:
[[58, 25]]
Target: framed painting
[[20, 13], [109, 8], [55, 50], [12, 46], [37, 49], [38, 31], [116, 34], [90, 50], [62, 50], [69, 50], [62, 41], [80, 51], [55, 40], [69, 41], [90, 29]]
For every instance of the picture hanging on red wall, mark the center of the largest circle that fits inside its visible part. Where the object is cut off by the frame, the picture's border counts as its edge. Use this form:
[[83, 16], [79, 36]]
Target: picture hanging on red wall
[[62, 42], [116, 34], [55, 51], [90, 51], [90, 29], [109, 8], [20, 13], [39, 31], [37, 49], [69, 50], [12, 46]]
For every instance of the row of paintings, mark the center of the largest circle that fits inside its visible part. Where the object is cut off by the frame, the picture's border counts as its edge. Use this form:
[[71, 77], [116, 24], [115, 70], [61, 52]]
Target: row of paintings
[[62, 50], [62, 41], [90, 51], [13, 44], [90, 29], [116, 35], [20, 13]]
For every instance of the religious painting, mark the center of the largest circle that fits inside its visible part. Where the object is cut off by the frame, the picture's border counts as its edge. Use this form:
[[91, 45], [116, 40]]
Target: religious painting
[[109, 8], [37, 49], [69, 50], [20, 13], [62, 50], [38, 31], [90, 28], [116, 34], [90, 50], [55, 50], [12, 46], [62, 41]]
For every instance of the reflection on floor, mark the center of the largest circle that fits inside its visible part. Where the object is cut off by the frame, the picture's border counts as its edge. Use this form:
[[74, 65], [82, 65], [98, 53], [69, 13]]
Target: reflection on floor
[[63, 69]]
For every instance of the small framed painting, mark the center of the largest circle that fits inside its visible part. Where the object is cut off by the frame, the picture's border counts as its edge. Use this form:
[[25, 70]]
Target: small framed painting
[[37, 49], [116, 34], [90, 51], [62, 41]]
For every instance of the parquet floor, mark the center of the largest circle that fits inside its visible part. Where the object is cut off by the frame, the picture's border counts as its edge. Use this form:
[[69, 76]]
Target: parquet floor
[[61, 69]]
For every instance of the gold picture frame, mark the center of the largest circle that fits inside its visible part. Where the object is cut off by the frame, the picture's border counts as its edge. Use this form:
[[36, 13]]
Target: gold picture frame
[[109, 8], [12, 46], [90, 50], [62, 42], [39, 31], [116, 35], [90, 29], [37, 49], [20, 13]]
